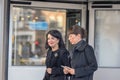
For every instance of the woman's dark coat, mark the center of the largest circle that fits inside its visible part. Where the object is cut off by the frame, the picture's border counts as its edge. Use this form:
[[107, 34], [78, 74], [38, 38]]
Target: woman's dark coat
[[83, 61], [55, 60]]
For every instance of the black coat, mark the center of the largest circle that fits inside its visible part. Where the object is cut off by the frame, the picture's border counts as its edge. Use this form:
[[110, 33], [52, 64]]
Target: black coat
[[55, 60], [83, 61]]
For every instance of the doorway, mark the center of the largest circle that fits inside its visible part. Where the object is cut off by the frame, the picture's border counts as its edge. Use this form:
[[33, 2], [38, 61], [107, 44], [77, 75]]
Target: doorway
[[104, 37]]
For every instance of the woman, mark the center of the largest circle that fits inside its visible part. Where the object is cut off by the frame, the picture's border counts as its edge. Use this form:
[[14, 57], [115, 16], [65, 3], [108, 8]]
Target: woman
[[83, 61], [57, 56]]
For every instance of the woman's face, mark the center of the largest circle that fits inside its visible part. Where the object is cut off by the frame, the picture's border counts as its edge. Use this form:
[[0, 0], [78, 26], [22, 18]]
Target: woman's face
[[74, 39], [52, 41]]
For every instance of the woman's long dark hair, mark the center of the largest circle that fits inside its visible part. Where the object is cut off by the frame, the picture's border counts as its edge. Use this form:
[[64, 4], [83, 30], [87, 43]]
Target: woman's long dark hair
[[56, 34]]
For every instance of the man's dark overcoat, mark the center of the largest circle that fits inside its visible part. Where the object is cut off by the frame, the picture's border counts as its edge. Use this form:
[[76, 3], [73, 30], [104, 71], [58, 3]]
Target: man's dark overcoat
[[83, 61]]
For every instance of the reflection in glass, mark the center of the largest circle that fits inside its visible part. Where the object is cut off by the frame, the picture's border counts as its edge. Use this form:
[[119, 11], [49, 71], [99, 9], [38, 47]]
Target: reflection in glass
[[73, 18], [28, 37], [107, 37]]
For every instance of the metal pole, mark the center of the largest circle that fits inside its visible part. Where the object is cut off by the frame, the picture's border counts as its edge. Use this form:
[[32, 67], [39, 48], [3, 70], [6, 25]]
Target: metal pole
[[3, 37]]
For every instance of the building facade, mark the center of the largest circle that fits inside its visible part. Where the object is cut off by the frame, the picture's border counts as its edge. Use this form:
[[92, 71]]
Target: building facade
[[24, 24]]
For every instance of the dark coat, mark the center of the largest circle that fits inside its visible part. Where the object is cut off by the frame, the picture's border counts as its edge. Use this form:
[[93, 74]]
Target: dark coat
[[55, 60], [83, 61]]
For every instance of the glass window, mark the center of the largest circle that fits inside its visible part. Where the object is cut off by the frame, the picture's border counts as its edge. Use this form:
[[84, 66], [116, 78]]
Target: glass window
[[29, 26], [107, 37], [73, 18]]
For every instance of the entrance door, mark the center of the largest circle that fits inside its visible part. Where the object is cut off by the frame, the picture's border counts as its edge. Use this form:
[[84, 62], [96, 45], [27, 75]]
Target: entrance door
[[29, 23], [104, 35]]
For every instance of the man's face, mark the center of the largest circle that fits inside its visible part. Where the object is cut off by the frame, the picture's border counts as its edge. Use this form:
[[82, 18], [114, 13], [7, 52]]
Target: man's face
[[73, 38]]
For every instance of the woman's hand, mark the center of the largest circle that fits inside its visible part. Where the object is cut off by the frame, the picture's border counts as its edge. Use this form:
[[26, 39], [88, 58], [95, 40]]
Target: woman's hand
[[49, 70], [69, 70], [65, 70]]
